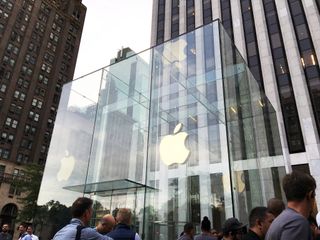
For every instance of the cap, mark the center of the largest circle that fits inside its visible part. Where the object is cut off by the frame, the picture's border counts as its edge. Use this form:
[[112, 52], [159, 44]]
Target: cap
[[231, 225]]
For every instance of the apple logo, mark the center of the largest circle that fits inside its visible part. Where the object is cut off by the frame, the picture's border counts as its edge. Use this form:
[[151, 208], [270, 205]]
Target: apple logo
[[66, 167], [172, 147]]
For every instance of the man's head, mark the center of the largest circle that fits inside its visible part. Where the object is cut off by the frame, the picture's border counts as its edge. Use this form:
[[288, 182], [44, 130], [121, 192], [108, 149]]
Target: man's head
[[22, 227], [276, 206], [5, 228], [82, 209], [232, 229], [260, 220], [298, 186], [124, 216], [106, 224], [30, 230], [189, 229]]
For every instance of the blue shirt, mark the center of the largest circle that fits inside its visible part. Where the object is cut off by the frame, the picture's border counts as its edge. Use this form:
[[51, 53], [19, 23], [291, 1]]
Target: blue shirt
[[69, 232], [27, 237]]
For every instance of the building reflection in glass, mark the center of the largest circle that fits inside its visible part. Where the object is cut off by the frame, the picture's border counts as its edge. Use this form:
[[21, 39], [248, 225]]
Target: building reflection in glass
[[196, 85]]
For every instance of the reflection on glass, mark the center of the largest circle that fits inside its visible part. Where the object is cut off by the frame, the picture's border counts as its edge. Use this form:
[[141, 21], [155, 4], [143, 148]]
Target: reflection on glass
[[175, 133]]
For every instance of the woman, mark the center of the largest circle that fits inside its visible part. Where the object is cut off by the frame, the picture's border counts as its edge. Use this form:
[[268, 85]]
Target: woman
[[205, 230]]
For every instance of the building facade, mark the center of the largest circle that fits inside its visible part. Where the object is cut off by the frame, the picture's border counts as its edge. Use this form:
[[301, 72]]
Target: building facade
[[279, 40], [38, 50], [176, 133]]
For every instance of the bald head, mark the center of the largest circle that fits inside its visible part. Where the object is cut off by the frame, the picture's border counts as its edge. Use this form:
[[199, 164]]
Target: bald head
[[124, 216], [106, 224]]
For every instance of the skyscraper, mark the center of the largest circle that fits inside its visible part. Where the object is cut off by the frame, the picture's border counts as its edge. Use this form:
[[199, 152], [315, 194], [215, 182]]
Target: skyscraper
[[279, 39], [38, 51]]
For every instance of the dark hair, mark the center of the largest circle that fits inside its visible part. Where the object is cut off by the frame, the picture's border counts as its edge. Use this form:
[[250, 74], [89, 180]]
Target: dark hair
[[276, 206], [205, 224], [257, 213], [24, 224], [232, 225], [30, 225], [80, 206], [297, 185], [188, 227]]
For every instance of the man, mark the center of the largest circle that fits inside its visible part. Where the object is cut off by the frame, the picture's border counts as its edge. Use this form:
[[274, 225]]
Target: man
[[81, 212], [275, 206], [22, 230], [259, 222], [293, 223], [188, 232], [5, 235], [123, 229], [30, 235], [106, 224], [233, 229]]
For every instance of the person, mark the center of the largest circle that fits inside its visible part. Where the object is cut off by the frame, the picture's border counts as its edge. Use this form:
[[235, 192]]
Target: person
[[188, 232], [293, 223], [106, 224], [30, 235], [81, 212], [232, 229], [22, 230], [259, 222], [275, 206], [314, 228], [205, 230], [123, 228], [5, 235]]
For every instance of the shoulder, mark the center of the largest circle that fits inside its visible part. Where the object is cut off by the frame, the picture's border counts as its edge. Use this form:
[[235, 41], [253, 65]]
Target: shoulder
[[92, 233]]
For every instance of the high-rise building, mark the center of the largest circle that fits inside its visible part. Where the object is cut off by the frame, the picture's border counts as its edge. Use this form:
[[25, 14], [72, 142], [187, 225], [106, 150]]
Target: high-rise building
[[279, 40], [38, 51]]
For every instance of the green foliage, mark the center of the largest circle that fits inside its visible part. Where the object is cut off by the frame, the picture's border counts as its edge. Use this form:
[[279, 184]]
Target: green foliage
[[29, 185]]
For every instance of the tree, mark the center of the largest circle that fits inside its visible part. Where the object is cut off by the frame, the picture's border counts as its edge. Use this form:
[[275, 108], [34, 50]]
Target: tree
[[29, 185]]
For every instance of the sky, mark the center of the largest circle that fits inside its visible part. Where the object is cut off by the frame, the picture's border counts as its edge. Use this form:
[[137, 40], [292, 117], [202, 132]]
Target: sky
[[109, 26]]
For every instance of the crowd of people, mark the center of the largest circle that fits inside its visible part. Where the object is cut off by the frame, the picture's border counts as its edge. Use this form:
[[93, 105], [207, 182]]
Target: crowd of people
[[272, 222], [25, 232]]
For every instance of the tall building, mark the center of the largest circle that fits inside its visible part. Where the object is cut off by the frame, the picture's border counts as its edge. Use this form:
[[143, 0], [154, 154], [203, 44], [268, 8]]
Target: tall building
[[38, 51], [279, 40]]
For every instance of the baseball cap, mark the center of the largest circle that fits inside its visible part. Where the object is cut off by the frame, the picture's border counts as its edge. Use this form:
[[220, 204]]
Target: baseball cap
[[232, 225]]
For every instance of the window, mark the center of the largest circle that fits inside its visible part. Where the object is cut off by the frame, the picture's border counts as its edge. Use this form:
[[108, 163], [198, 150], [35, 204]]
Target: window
[[36, 103], [3, 88]]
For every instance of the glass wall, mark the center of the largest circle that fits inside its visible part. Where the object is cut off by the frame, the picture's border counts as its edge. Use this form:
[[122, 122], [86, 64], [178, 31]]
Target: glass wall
[[175, 133]]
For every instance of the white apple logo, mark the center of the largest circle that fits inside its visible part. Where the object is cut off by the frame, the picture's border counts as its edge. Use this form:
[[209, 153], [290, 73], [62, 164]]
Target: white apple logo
[[66, 167], [172, 147]]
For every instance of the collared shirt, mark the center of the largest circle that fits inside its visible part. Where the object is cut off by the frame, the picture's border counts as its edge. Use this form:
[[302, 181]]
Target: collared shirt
[[69, 232], [27, 237], [34, 237]]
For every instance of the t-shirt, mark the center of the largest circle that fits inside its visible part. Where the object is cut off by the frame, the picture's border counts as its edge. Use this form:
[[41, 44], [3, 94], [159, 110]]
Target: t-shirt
[[289, 225], [204, 237]]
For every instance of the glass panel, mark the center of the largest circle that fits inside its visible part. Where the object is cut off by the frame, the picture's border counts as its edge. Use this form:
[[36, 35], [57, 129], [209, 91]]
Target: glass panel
[[175, 133]]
